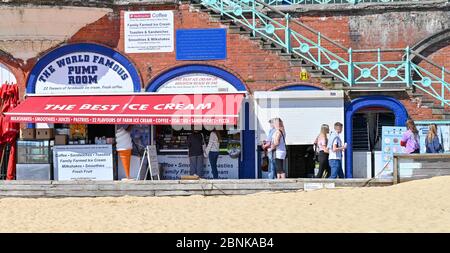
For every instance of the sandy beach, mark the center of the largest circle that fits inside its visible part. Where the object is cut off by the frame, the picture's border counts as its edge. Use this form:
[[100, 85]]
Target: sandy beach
[[419, 206]]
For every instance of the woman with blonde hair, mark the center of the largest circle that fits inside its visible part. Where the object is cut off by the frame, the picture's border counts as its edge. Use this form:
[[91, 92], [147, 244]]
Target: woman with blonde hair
[[321, 147], [432, 143], [410, 139], [278, 147]]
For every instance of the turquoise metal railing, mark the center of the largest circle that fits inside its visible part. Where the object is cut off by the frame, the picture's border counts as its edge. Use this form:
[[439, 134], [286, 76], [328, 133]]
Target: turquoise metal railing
[[310, 2], [356, 68]]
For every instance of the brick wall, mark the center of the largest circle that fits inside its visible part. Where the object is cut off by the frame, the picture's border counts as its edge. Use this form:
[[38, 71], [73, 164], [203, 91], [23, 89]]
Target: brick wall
[[259, 69]]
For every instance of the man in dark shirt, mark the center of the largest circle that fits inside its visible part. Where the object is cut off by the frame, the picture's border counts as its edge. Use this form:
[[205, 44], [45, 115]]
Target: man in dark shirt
[[195, 145]]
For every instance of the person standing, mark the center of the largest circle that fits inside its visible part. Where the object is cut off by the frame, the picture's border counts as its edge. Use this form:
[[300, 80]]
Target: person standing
[[322, 142], [278, 147], [335, 148], [195, 147], [410, 139], [432, 143], [212, 151], [266, 146]]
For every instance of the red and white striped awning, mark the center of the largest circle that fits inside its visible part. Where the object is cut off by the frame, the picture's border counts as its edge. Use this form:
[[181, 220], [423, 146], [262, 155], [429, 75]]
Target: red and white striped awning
[[155, 109]]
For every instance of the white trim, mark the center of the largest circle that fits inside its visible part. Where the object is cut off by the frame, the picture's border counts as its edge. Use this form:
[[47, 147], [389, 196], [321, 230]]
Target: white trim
[[131, 94], [115, 115]]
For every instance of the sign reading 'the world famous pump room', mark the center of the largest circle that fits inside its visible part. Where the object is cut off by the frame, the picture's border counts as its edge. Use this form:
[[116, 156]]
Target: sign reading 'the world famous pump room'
[[83, 73]]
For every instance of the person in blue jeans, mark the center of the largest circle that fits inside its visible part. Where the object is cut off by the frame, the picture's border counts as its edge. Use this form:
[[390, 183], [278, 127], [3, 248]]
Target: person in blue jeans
[[212, 152], [432, 143], [336, 148], [266, 145]]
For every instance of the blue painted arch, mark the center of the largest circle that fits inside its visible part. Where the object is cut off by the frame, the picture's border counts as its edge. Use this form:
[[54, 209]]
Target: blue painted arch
[[303, 87], [401, 115], [82, 47], [195, 68], [247, 162]]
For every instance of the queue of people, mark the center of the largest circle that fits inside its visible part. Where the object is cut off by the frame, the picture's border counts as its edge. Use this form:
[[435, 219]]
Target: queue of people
[[198, 150], [329, 148], [411, 139], [275, 148]]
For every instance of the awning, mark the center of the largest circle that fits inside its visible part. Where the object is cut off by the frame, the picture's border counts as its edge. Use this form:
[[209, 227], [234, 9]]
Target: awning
[[146, 108]]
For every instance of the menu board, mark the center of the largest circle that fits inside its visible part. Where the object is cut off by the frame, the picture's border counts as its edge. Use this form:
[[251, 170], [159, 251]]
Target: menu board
[[83, 162], [175, 166], [149, 31], [391, 145]]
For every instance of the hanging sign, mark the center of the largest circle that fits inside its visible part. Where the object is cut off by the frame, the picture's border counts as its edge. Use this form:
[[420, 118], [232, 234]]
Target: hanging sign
[[149, 31], [83, 73]]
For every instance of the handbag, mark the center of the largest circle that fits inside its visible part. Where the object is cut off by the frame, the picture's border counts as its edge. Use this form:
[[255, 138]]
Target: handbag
[[316, 152], [265, 163]]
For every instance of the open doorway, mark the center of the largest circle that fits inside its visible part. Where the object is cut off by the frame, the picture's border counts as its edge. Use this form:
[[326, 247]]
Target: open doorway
[[366, 135]]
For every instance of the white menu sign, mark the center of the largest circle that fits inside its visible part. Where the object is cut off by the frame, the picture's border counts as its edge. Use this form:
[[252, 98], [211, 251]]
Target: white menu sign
[[83, 162], [197, 83], [149, 31]]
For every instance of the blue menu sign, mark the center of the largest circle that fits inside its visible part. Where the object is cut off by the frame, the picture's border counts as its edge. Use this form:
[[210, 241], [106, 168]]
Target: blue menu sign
[[391, 145], [201, 44]]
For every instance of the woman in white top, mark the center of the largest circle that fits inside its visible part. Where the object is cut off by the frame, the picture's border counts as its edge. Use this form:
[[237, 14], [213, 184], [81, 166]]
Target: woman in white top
[[279, 147], [212, 151]]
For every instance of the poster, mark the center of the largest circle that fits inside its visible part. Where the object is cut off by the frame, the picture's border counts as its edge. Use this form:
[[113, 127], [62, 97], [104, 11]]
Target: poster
[[83, 162], [149, 31], [175, 166], [443, 134], [391, 137]]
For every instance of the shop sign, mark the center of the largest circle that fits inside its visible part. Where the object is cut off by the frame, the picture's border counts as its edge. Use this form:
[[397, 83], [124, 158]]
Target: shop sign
[[149, 31], [83, 162], [196, 83], [175, 166], [125, 109], [83, 73], [391, 145]]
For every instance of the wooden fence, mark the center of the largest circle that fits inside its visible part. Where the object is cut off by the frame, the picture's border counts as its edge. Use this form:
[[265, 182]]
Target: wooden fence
[[419, 166]]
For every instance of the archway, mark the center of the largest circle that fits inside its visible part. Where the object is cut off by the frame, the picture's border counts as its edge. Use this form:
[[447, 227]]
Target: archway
[[247, 161], [392, 104], [430, 45]]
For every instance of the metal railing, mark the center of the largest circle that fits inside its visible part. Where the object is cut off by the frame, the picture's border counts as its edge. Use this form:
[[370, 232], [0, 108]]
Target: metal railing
[[368, 68], [313, 2]]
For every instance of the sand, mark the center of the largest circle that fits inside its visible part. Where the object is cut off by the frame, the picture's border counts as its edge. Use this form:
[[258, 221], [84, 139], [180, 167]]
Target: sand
[[418, 206]]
